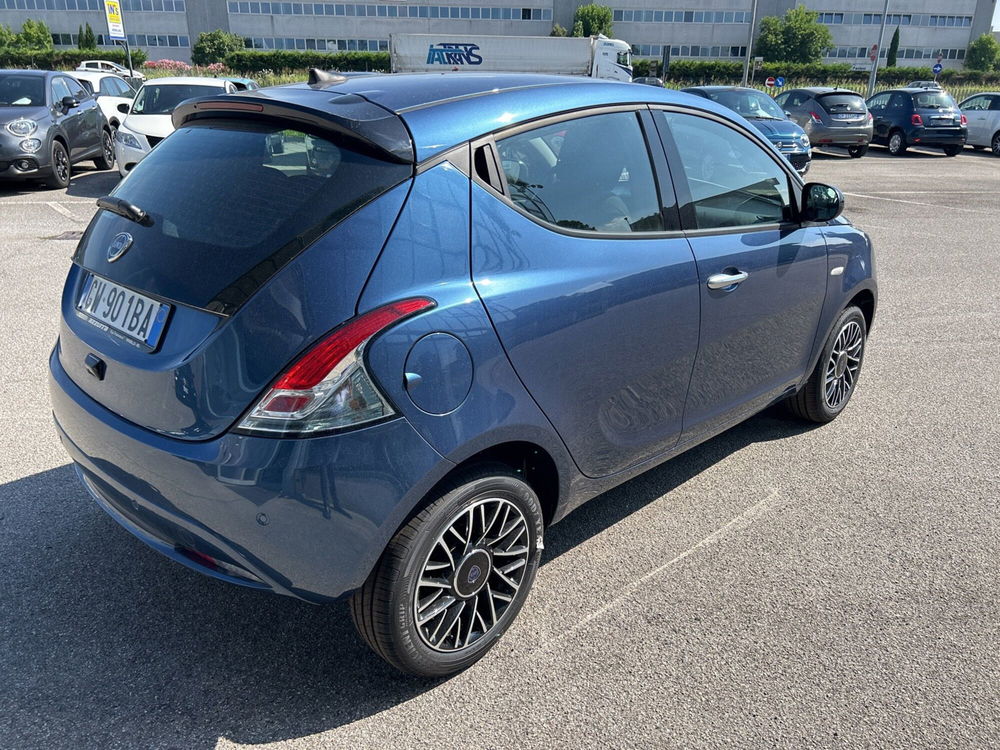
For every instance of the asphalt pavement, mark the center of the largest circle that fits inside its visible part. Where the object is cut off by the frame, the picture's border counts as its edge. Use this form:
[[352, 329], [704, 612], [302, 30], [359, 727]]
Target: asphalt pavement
[[778, 586]]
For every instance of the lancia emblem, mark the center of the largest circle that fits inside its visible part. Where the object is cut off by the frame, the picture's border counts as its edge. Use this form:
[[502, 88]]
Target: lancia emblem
[[119, 246]]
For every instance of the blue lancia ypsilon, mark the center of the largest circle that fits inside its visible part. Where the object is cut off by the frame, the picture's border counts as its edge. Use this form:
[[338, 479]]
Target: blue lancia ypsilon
[[370, 337]]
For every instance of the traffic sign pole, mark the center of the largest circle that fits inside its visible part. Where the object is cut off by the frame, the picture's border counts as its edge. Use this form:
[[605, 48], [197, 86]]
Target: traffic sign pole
[[878, 49]]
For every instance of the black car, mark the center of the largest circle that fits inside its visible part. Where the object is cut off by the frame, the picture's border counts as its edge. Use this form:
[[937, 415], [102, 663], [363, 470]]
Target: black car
[[917, 117], [48, 122]]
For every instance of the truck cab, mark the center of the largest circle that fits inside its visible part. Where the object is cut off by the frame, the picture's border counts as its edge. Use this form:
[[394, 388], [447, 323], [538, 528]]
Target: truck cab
[[612, 59]]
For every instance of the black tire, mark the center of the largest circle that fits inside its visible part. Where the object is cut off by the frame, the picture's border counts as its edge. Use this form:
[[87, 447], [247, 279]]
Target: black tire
[[897, 143], [857, 152], [978, 148], [107, 158], [814, 402], [61, 169], [995, 144], [385, 610], [953, 150]]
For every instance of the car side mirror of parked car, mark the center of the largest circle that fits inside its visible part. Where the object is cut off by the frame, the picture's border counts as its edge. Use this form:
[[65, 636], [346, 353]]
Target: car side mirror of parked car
[[821, 202], [68, 102], [124, 108]]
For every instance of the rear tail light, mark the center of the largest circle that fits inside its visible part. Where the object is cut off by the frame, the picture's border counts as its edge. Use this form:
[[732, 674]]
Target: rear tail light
[[965, 120], [916, 120], [328, 388], [870, 118], [816, 118]]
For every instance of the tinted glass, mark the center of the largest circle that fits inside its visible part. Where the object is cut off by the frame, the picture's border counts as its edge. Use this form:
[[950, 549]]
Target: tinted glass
[[162, 100], [22, 91], [839, 103], [733, 181], [879, 102], [592, 173], [59, 89], [748, 103], [976, 103], [231, 203], [76, 89], [933, 100]]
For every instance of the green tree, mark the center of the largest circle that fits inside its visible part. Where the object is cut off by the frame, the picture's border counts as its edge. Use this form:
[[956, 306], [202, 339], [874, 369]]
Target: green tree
[[213, 46], [595, 19], [577, 28], [797, 37], [86, 38], [7, 37], [558, 30], [34, 35], [983, 54], [891, 58]]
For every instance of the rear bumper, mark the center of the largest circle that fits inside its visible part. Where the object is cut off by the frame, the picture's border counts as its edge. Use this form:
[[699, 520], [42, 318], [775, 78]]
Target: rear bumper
[[931, 137], [307, 518], [822, 135]]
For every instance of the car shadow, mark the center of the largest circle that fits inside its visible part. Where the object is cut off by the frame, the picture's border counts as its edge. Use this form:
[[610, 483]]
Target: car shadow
[[91, 183], [107, 643]]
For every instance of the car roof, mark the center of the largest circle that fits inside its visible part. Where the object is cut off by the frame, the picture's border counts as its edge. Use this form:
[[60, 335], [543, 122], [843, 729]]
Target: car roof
[[827, 90], [723, 88], [187, 81], [442, 110], [91, 74], [39, 73]]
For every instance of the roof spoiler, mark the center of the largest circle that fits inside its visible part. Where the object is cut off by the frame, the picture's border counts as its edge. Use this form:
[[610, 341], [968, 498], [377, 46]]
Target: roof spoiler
[[346, 115]]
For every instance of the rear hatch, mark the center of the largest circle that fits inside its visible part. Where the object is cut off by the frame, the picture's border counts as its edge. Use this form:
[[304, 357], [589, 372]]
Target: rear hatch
[[938, 111], [843, 109], [257, 238]]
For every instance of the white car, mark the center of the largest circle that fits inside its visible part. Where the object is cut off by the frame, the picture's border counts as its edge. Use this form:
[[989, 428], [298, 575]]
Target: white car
[[110, 89], [983, 114], [106, 66], [148, 120]]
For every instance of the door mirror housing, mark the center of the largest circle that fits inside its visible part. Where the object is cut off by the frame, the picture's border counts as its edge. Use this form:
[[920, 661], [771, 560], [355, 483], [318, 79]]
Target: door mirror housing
[[69, 102], [124, 108], [821, 203]]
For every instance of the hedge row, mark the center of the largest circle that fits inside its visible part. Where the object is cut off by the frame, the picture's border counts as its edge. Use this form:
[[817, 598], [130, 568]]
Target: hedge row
[[717, 71], [47, 59], [286, 61]]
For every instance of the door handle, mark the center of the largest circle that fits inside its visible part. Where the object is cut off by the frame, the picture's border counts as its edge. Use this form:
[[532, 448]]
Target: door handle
[[727, 280]]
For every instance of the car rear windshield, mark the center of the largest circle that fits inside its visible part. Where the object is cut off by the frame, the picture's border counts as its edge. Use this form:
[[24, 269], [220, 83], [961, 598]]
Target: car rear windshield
[[230, 203], [22, 90], [933, 100], [162, 100], [838, 103]]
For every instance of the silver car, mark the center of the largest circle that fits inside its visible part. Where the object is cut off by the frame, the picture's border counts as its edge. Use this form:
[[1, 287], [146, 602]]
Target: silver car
[[831, 117], [983, 114]]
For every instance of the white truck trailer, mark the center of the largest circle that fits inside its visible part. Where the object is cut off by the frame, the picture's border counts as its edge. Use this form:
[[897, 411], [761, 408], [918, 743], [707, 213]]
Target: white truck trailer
[[597, 57]]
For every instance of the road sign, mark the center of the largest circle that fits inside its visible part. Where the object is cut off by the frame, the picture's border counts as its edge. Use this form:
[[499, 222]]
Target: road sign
[[779, 81], [770, 82], [116, 26], [938, 67], [873, 52]]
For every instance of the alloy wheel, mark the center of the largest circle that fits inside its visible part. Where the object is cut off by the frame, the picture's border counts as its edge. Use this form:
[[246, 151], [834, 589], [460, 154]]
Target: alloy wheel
[[995, 145], [895, 143], [471, 575], [109, 148], [843, 365], [62, 164]]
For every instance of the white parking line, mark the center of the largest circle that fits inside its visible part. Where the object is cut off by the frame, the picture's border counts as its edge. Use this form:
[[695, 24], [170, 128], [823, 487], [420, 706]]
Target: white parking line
[[46, 203], [918, 203], [740, 522], [64, 211]]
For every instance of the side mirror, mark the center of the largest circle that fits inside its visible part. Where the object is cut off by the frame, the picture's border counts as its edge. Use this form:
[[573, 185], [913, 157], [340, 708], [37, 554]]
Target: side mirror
[[68, 102], [124, 108], [821, 203], [787, 113]]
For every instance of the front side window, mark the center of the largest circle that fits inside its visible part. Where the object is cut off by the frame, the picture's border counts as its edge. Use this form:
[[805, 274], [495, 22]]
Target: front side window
[[732, 180], [976, 104], [59, 89], [591, 174]]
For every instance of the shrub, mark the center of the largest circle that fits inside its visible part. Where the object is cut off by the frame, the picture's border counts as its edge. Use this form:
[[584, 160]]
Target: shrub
[[251, 62], [213, 46], [51, 59]]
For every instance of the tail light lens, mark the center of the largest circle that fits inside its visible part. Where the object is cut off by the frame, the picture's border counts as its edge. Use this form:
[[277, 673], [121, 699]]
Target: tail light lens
[[816, 118], [328, 388], [916, 120], [965, 120]]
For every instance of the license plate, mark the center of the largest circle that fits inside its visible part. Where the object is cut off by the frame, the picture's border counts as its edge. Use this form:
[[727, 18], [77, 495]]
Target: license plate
[[849, 118], [120, 311]]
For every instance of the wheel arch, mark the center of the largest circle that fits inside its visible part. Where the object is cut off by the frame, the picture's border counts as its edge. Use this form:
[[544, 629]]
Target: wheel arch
[[865, 301]]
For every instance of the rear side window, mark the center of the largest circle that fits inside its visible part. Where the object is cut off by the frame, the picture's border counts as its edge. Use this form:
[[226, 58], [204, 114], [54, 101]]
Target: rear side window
[[932, 100], [732, 180], [842, 103], [231, 202], [592, 174]]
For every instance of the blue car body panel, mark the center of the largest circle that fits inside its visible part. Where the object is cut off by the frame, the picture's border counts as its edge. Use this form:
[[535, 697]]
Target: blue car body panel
[[606, 355]]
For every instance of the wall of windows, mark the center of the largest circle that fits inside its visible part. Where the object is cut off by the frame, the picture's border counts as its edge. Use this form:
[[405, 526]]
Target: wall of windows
[[477, 13], [685, 50], [894, 19], [140, 40], [157, 6], [634, 15], [322, 45], [905, 53]]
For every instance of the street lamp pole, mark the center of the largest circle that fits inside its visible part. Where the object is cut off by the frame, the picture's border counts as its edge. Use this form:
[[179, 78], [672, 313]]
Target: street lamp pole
[[878, 51], [746, 62]]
